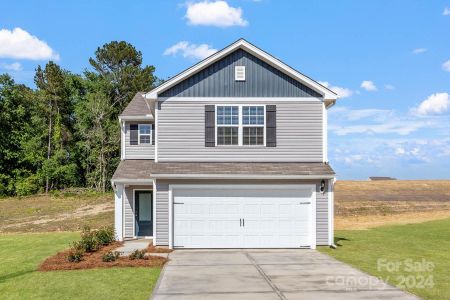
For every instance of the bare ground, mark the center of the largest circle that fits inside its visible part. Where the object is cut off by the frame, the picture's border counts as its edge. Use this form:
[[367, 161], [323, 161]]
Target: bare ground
[[368, 204], [63, 212]]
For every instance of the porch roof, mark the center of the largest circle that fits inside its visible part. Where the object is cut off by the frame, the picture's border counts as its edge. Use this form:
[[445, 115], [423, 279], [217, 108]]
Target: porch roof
[[141, 170]]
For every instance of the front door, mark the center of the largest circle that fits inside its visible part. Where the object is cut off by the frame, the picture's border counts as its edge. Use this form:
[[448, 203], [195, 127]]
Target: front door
[[143, 213]]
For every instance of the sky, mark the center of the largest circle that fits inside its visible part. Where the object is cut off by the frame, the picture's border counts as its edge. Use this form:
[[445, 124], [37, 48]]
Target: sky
[[388, 60]]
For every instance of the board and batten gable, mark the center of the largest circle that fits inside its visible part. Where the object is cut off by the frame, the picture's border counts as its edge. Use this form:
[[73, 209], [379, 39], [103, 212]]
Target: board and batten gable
[[141, 151], [218, 80]]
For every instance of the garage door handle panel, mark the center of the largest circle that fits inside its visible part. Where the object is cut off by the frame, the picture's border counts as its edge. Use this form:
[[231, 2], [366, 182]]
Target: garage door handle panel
[[240, 222], [305, 202], [243, 222]]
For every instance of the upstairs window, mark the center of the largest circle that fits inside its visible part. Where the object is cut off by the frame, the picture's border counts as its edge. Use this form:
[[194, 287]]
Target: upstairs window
[[227, 125], [145, 134], [253, 125], [240, 125]]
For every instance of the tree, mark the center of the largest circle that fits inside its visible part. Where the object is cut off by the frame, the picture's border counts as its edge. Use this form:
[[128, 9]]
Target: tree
[[119, 65], [59, 167]]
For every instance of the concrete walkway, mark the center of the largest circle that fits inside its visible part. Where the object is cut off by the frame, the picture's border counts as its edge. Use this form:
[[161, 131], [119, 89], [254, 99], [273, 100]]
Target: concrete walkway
[[266, 275], [131, 245]]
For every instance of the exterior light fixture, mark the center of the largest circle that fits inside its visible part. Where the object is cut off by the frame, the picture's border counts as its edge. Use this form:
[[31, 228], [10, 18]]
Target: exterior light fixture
[[322, 186]]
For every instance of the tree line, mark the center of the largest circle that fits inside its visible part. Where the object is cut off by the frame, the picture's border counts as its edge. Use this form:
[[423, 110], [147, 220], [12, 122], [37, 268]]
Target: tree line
[[65, 131]]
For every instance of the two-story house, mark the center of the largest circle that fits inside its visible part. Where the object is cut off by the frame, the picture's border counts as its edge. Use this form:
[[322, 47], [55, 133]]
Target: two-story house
[[230, 153]]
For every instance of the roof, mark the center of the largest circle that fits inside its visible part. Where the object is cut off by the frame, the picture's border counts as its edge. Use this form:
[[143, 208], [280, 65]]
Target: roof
[[329, 96], [144, 170], [138, 108]]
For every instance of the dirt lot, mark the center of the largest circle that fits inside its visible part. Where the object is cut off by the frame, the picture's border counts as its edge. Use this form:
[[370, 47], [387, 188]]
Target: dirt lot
[[366, 204], [65, 211]]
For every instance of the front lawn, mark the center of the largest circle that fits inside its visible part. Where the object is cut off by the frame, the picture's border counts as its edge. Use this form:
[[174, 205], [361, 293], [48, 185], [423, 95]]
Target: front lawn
[[20, 255], [413, 256]]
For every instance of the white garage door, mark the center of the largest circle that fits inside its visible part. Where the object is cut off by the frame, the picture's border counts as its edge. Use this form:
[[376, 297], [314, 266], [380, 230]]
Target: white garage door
[[244, 217]]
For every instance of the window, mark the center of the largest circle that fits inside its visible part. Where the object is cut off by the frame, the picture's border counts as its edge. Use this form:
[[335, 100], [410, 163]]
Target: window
[[253, 125], [241, 125], [227, 125], [145, 134]]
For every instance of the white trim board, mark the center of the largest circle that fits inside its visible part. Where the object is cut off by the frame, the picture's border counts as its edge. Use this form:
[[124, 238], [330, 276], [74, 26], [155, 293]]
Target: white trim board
[[243, 44], [312, 187]]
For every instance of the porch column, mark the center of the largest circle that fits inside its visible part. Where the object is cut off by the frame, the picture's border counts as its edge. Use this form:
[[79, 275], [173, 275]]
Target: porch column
[[118, 211]]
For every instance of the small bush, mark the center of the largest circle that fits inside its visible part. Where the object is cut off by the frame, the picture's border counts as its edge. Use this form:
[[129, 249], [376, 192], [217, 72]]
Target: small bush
[[89, 241], [105, 235], [137, 254], [110, 256], [75, 255]]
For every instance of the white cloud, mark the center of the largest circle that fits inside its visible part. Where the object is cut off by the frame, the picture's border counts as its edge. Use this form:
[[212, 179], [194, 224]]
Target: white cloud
[[435, 104], [190, 50], [19, 44], [400, 151], [446, 66], [11, 67], [419, 50], [216, 13], [341, 91], [368, 85], [389, 87], [446, 11]]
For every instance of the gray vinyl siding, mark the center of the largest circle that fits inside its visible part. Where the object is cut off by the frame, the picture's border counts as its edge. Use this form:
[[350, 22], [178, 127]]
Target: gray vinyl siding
[[181, 135], [143, 151], [162, 206], [321, 216], [128, 209], [262, 80], [162, 213]]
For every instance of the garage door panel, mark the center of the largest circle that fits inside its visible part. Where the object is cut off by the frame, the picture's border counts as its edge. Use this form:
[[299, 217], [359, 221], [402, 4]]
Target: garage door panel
[[210, 218]]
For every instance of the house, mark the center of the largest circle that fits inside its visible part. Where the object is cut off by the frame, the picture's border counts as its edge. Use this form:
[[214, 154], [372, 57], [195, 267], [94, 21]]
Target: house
[[230, 153], [378, 178]]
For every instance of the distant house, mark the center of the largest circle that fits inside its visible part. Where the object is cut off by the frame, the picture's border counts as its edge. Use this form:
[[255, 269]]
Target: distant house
[[231, 153], [377, 178]]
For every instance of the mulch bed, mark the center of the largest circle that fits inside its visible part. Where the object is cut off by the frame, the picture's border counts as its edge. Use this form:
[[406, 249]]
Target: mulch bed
[[94, 260]]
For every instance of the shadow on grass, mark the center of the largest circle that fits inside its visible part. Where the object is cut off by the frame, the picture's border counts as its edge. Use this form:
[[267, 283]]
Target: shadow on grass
[[6, 277], [338, 239]]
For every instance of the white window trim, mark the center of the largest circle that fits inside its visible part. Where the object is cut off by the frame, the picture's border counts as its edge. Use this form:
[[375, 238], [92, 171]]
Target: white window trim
[[139, 134], [240, 125]]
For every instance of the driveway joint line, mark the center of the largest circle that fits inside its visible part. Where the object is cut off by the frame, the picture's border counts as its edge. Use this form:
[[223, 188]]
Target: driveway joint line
[[266, 278]]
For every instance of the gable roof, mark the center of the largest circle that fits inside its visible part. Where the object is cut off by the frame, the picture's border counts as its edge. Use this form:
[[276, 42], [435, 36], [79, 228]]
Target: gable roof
[[138, 108], [328, 95]]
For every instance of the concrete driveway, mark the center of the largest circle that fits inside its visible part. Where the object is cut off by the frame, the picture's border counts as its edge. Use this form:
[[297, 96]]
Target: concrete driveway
[[266, 275]]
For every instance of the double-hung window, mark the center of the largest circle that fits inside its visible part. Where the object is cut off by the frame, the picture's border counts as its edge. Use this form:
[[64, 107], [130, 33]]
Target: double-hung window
[[240, 125], [253, 125], [145, 134], [227, 125]]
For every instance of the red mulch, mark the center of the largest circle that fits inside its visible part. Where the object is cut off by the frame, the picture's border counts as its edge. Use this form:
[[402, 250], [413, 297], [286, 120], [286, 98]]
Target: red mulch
[[94, 260]]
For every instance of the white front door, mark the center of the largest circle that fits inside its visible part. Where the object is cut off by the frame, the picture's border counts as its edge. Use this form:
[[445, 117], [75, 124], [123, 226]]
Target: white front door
[[243, 217]]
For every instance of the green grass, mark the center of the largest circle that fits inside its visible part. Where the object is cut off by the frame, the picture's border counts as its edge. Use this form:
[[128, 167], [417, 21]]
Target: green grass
[[430, 241], [20, 255]]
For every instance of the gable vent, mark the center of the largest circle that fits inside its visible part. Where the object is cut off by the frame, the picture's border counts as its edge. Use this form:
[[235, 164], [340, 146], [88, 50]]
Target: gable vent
[[239, 73]]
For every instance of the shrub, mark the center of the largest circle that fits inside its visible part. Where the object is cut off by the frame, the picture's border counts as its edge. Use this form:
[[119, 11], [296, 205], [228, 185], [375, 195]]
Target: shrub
[[105, 235], [75, 255], [110, 256], [89, 241], [137, 254]]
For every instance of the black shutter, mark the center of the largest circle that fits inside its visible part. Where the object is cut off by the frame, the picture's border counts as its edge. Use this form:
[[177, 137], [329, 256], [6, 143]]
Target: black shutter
[[210, 130], [271, 125], [153, 133], [134, 135]]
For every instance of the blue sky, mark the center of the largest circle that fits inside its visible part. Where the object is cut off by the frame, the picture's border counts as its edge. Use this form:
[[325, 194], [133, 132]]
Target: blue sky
[[389, 60]]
